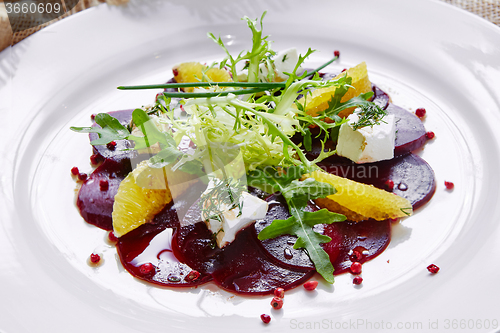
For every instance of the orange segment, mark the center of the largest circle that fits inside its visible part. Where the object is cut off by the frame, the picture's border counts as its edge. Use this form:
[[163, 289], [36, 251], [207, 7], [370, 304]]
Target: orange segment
[[135, 205], [319, 99], [193, 72], [362, 201]]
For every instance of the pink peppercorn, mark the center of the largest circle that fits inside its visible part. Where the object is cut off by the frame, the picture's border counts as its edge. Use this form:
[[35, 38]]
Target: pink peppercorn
[[389, 184], [95, 258], [430, 135], [420, 112], [356, 256], [94, 159], [433, 268], [103, 185], [357, 280], [146, 269], [175, 71], [75, 171], [449, 185], [310, 285], [279, 292], [111, 145], [265, 318], [192, 276], [356, 268], [277, 303], [82, 176], [336, 53], [112, 237]]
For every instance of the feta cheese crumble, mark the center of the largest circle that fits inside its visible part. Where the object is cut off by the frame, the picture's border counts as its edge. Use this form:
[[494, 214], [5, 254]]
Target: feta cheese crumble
[[232, 220], [367, 144]]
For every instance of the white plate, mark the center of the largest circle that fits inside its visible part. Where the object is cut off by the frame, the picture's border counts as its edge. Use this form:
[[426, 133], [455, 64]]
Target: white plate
[[425, 53]]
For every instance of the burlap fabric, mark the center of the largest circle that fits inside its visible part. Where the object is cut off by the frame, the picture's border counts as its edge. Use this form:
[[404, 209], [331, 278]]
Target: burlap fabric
[[7, 38], [488, 9]]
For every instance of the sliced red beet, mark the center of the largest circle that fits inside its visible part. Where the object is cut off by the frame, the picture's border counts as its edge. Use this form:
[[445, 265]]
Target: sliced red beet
[[150, 244], [413, 178], [181, 206], [247, 270], [410, 131], [281, 248], [96, 205], [368, 238], [242, 266], [103, 151], [380, 97]]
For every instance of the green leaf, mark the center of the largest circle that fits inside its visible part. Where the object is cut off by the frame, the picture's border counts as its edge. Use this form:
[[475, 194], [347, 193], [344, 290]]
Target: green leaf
[[300, 223], [152, 134], [300, 192], [278, 228], [322, 216], [307, 139], [271, 180], [110, 129], [165, 157]]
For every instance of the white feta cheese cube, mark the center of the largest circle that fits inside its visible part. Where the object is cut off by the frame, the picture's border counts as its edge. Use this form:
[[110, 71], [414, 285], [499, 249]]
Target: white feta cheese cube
[[284, 62], [367, 144], [232, 220]]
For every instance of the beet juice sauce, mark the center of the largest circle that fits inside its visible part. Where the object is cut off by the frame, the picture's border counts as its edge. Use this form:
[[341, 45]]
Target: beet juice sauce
[[164, 253]]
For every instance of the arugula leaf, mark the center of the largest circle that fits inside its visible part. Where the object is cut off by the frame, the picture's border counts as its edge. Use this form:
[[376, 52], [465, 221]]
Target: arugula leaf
[[300, 223], [300, 192], [165, 157], [110, 129], [152, 134]]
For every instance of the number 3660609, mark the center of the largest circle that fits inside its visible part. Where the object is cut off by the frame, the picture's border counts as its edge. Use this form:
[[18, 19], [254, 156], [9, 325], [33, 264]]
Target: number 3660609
[[32, 8]]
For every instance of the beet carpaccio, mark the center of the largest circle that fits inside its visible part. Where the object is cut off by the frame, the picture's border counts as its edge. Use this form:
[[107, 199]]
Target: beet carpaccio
[[254, 174]]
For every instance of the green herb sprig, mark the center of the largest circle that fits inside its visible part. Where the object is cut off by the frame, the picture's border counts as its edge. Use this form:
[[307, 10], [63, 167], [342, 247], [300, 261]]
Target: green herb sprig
[[369, 115], [301, 223]]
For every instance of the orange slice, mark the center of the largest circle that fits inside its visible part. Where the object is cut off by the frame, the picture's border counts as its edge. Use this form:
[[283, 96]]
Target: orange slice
[[135, 205], [193, 72], [319, 99], [360, 201]]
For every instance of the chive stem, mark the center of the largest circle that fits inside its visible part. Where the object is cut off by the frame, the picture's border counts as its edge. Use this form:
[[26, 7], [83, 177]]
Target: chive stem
[[322, 66], [213, 94], [266, 85], [259, 86]]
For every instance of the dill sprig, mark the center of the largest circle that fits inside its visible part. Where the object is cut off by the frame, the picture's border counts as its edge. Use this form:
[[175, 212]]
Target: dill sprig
[[369, 114], [224, 193]]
